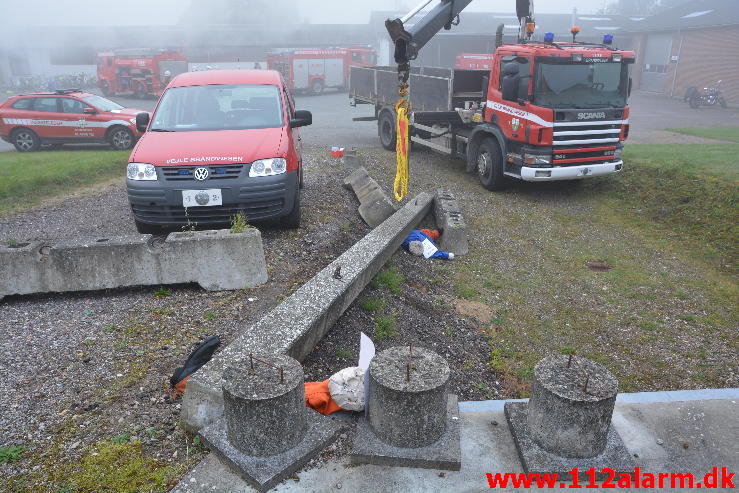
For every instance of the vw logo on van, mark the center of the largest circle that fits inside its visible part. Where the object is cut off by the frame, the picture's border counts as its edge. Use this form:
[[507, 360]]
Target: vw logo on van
[[201, 174]]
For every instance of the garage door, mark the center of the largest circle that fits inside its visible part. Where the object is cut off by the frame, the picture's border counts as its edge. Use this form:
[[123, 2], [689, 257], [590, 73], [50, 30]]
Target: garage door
[[656, 60]]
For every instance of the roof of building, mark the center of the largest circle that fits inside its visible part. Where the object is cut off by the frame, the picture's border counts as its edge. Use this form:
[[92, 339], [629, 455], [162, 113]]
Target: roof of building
[[695, 14]]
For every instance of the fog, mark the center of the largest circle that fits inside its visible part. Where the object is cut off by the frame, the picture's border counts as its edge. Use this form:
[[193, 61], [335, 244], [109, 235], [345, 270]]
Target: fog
[[170, 12]]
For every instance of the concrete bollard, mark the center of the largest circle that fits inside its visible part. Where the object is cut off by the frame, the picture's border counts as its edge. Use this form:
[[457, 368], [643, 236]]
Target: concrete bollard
[[264, 404], [567, 422], [267, 433], [407, 396], [571, 406], [374, 206], [412, 421]]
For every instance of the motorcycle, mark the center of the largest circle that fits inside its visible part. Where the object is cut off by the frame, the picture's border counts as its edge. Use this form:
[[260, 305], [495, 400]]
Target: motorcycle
[[709, 97]]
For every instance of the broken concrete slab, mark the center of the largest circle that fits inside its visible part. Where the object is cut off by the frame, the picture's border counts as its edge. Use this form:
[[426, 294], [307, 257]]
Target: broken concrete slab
[[350, 158], [374, 205], [296, 325], [444, 453], [216, 260], [538, 460], [263, 473], [450, 221]]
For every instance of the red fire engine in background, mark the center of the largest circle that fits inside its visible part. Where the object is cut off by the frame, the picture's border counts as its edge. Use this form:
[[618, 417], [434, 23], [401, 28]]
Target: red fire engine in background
[[317, 69], [474, 61], [138, 72]]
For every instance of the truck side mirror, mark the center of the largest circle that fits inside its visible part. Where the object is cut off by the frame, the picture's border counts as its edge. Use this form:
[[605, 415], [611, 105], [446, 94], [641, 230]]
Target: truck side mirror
[[142, 121], [628, 90], [302, 118], [510, 87]]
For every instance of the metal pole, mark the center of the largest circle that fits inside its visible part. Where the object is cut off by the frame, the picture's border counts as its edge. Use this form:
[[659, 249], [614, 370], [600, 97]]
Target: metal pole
[[416, 10]]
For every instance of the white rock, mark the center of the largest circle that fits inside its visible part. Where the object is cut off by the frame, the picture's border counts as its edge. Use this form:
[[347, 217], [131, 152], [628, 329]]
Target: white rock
[[347, 388]]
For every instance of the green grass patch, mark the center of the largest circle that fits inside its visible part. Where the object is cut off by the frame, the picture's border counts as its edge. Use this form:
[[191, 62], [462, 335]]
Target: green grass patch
[[730, 133], [343, 353], [162, 293], [11, 454], [690, 192], [239, 224], [386, 327], [373, 304], [389, 278], [28, 178], [465, 291]]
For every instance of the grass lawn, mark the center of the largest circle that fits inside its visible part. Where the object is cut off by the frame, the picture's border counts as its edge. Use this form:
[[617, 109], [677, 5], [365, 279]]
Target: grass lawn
[[688, 193], [721, 133], [28, 178]]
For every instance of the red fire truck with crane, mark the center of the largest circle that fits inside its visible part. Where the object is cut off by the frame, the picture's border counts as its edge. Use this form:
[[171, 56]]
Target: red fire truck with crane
[[316, 69], [142, 73], [546, 110]]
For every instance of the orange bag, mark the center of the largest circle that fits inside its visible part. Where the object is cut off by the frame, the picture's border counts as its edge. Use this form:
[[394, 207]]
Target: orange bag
[[319, 398]]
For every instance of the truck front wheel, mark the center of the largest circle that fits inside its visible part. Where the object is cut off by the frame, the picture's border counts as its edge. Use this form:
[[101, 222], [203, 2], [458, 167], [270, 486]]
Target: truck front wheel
[[386, 128], [316, 87], [140, 91], [490, 165]]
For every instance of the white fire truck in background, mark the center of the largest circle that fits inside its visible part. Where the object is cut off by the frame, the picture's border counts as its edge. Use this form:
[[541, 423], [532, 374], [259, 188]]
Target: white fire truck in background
[[313, 70]]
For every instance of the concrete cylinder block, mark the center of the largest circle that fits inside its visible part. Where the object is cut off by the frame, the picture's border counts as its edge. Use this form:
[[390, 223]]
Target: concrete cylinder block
[[264, 406], [570, 409], [408, 412]]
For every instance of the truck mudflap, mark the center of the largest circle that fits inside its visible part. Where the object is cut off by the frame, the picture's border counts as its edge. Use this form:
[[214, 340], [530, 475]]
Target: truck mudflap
[[570, 172]]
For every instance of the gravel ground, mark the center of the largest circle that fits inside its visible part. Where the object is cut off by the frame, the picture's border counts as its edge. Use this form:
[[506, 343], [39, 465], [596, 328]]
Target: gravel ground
[[78, 369]]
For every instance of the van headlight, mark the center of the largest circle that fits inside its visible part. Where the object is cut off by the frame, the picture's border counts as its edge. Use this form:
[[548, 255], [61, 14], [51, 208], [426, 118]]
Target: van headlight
[[268, 167], [141, 172]]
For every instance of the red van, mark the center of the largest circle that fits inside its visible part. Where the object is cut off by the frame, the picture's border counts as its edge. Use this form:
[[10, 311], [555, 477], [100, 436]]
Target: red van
[[219, 142]]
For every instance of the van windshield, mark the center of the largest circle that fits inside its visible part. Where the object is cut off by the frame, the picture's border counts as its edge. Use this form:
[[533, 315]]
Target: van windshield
[[218, 107]]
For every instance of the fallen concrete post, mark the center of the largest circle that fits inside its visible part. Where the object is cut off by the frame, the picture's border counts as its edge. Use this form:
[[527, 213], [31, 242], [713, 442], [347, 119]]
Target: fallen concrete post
[[450, 221], [296, 325], [216, 260], [412, 421], [267, 433], [374, 205], [350, 158], [567, 421]]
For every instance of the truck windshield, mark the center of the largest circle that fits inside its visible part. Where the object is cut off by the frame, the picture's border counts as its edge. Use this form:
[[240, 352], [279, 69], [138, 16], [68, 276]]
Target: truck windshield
[[582, 85], [218, 107], [102, 104]]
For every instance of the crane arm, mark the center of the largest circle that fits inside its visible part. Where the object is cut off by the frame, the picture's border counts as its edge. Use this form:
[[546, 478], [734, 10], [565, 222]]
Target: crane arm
[[409, 41]]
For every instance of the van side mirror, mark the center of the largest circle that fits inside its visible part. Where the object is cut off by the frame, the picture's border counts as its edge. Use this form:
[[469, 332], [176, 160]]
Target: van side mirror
[[510, 87], [87, 110], [302, 118], [142, 121]]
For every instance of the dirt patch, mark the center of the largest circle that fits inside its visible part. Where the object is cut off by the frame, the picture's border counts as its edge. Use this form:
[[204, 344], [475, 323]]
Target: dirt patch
[[480, 312]]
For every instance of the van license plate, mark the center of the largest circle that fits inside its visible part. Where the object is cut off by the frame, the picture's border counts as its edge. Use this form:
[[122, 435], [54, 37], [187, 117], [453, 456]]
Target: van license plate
[[202, 198]]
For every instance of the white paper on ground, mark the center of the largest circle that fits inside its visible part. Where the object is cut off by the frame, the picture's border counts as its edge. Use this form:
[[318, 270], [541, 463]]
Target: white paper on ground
[[366, 353], [428, 248]]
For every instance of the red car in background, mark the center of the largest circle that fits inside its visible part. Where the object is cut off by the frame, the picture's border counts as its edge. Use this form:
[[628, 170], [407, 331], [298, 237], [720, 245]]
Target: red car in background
[[70, 116]]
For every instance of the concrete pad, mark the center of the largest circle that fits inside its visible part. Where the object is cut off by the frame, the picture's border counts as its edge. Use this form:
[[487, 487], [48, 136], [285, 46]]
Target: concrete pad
[[450, 221], [216, 260], [488, 448], [445, 453], [374, 205], [537, 460], [296, 325], [263, 473]]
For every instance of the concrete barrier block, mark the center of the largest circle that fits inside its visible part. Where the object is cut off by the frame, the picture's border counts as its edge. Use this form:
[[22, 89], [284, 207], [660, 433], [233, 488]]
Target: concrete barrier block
[[374, 205], [216, 260], [296, 325], [451, 222]]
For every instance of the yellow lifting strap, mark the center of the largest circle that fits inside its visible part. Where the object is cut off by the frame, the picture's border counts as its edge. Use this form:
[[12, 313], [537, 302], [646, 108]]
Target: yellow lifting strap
[[400, 187]]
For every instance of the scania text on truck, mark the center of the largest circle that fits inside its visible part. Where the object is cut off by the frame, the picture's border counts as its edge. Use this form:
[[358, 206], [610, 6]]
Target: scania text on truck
[[142, 73], [314, 70], [545, 111], [220, 143]]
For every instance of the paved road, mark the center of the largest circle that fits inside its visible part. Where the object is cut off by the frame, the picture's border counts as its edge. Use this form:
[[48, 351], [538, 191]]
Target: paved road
[[333, 125]]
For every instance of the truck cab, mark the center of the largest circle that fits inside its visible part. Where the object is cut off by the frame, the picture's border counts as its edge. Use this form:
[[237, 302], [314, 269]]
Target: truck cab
[[558, 111]]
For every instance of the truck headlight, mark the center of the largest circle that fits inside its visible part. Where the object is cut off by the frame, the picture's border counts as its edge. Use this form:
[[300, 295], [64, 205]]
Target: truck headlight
[[268, 167], [618, 153], [141, 172], [536, 160]]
